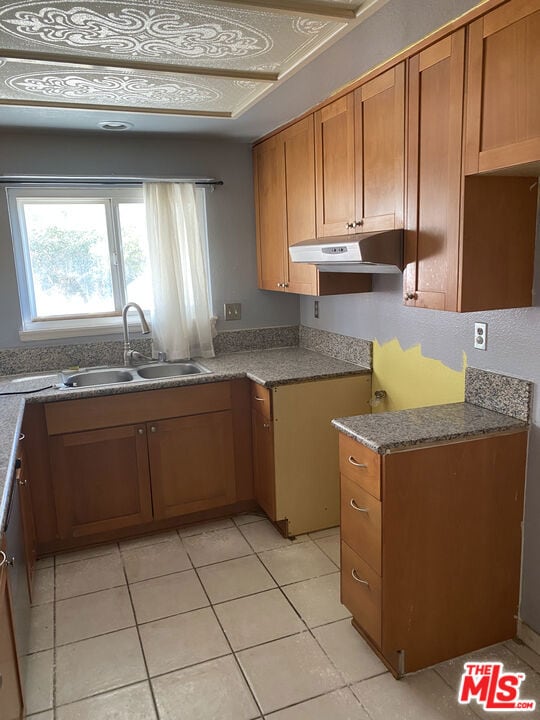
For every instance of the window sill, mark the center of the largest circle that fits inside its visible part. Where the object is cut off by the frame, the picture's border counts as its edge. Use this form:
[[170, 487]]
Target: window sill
[[58, 329]]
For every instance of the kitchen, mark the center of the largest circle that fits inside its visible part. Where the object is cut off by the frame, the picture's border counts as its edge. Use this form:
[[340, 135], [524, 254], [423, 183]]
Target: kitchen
[[419, 355]]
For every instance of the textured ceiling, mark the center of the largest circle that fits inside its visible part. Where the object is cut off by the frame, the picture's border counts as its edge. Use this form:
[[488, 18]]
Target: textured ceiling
[[178, 58]]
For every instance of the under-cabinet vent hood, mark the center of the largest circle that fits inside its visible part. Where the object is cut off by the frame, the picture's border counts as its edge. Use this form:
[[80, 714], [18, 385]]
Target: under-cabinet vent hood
[[376, 252]]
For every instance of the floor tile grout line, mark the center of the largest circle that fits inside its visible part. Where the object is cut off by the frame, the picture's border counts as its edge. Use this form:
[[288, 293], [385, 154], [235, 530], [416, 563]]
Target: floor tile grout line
[[141, 646], [101, 693], [240, 668]]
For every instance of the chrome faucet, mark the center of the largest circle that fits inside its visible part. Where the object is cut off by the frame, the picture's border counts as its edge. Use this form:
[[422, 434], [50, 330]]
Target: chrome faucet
[[129, 354]]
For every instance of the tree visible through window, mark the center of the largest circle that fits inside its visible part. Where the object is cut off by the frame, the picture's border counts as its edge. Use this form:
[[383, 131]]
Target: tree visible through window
[[83, 255]]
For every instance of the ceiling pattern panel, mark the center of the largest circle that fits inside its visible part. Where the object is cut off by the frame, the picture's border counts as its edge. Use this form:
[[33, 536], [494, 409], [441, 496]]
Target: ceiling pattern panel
[[173, 55], [130, 89]]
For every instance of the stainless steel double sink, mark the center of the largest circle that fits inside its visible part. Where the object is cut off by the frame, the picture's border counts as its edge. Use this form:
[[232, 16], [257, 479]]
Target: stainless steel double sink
[[116, 375]]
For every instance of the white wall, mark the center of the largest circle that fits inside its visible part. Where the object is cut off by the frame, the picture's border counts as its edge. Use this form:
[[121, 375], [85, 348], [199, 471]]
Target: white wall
[[231, 224]]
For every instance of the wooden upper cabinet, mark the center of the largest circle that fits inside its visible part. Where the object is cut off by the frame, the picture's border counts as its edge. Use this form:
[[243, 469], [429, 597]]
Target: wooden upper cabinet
[[360, 143], [503, 89], [435, 102], [270, 213], [379, 115], [299, 154], [334, 152]]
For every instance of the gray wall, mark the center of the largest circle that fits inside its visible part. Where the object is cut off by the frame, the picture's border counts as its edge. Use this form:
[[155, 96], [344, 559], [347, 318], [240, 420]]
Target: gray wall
[[231, 224]]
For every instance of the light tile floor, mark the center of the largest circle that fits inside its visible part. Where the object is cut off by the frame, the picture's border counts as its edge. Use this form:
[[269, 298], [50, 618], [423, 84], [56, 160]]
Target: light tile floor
[[224, 620]]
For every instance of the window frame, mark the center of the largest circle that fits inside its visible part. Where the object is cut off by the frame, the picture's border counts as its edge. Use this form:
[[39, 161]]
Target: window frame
[[34, 327]]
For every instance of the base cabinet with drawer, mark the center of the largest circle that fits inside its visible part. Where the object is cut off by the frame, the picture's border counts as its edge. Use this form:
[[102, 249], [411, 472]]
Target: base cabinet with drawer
[[295, 467], [431, 546]]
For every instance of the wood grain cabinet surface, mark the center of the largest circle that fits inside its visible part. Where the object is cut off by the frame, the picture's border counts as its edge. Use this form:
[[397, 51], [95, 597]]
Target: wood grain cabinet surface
[[284, 173], [24, 482], [187, 451], [360, 145], [11, 698], [503, 90], [431, 571], [469, 241], [295, 458]]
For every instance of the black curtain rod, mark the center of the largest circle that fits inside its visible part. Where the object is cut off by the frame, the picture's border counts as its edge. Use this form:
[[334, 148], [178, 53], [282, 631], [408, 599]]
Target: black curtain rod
[[41, 180]]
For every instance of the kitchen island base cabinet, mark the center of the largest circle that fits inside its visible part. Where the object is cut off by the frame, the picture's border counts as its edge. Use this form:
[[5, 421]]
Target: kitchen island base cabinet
[[296, 468], [450, 544]]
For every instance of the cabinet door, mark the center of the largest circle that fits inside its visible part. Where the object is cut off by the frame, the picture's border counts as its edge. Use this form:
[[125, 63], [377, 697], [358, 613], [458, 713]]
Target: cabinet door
[[503, 80], [192, 463], [101, 480], [299, 152], [434, 174], [380, 148], [11, 700], [270, 213], [263, 463], [27, 516], [334, 153]]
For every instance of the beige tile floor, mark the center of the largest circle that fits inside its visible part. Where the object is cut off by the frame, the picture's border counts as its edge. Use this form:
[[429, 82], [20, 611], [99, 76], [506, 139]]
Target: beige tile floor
[[223, 620]]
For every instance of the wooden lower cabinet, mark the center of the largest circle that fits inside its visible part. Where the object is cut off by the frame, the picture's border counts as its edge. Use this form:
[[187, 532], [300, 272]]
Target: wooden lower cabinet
[[101, 480], [191, 463], [296, 469], [187, 450], [23, 481], [432, 570], [11, 698]]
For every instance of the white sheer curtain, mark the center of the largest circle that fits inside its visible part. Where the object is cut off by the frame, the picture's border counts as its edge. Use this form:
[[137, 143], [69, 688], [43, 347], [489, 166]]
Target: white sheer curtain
[[181, 320]]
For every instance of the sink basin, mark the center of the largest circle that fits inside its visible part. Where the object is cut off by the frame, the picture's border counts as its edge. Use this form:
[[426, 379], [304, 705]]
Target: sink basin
[[149, 372], [107, 376]]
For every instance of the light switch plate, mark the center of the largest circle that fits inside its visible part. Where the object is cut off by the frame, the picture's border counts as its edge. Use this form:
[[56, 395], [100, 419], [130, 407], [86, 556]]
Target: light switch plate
[[480, 336], [233, 311]]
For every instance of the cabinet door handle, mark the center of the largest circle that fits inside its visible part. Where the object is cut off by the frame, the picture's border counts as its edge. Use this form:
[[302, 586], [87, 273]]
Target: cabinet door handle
[[348, 226], [21, 437], [140, 431], [153, 429], [4, 560], [358, 223], [266, 425], [359, 580], [356, 464], [22, 482], [259, 399], [357, 507]]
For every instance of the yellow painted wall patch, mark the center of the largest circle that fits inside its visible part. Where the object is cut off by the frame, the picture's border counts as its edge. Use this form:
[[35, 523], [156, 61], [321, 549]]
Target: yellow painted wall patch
[[412, 380]]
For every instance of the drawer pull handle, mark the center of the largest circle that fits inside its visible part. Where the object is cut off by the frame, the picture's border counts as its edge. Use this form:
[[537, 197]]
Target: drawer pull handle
[[259, 399], [21, 437], [355, 577], [356, 464], [357, 507]]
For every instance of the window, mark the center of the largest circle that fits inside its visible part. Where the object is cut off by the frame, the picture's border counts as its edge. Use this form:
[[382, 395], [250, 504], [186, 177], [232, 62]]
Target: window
[[81, 254]]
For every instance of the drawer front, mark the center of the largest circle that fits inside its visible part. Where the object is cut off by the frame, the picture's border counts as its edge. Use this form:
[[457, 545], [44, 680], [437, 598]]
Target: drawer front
[[361, 522], [360, 464], [361, 599], [261, 400]]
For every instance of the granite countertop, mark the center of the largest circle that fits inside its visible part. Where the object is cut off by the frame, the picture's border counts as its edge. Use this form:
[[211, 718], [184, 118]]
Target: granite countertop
[[393, 431], [270, 368]]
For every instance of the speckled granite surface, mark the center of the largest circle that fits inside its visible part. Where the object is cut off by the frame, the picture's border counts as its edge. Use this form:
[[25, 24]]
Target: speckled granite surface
[[11, 414], [256, 339], [501, 393], [393, 431], [342, 347], [268, 367]]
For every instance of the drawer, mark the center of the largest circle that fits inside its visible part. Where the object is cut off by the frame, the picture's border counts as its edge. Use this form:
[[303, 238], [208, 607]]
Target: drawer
[[361, 522], [360, 464], [261, 400], [361, 592]]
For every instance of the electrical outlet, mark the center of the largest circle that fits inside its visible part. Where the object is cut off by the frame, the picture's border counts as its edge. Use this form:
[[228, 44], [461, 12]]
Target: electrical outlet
[[316, 308], [233, 311], [480, 336]]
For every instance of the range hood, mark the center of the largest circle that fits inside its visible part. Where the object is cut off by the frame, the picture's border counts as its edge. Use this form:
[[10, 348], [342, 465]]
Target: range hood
[[375, 252]]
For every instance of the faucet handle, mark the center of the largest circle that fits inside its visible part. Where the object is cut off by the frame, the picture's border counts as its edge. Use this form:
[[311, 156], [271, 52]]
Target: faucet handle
[[162, 356]]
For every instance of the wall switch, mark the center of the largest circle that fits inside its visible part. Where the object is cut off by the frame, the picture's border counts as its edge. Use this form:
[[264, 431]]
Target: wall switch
[[480, 336], [316, 309], [233, 311]]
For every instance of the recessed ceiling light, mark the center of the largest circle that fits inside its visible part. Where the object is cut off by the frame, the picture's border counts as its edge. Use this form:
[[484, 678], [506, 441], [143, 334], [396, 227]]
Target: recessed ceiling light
[[115, 125]]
